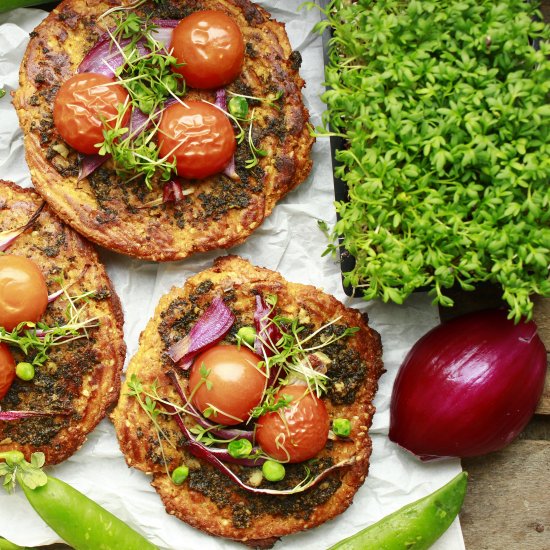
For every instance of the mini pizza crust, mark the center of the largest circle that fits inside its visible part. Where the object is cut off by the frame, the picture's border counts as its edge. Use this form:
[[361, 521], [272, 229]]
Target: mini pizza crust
[[208, 500], [81, 379], [220, 212]]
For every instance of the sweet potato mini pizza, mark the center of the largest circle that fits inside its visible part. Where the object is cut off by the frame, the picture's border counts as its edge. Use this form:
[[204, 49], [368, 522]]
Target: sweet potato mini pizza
[[163, 129], [249, 402], [61, 341]]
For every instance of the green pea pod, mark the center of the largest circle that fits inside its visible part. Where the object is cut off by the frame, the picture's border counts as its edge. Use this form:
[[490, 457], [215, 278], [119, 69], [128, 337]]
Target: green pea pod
[[7, 5], [81, 522], [416, 526]]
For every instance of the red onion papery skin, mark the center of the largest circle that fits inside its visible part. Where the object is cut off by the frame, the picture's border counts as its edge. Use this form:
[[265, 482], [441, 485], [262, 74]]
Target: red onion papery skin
[[210, 328], [468, 387]]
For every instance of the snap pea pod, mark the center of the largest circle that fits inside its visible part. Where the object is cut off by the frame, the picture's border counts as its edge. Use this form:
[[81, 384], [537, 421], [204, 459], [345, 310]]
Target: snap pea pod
[[81, 522], [78, 520], [7, 545], [416, 526], [7, 5]]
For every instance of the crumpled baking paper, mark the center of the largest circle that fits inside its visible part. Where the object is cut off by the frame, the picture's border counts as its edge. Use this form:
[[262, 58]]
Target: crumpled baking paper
[[290, 242]]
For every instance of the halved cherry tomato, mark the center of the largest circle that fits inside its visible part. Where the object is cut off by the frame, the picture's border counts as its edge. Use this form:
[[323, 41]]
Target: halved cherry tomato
[[23, 291], [211, 47], [226, 382], [82, 103], [7, 369], [296, 432], [199, 136]]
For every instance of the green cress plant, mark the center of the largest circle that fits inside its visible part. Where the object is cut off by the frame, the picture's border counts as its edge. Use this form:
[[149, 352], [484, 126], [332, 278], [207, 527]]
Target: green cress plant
[[443, 109]]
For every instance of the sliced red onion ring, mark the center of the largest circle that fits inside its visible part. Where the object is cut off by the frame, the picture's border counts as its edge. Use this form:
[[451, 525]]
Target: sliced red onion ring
[[105, 57], [211, 327], [266, 330], [139, 121], [219, 454], [7, 237], [222, 433], [18, 415], [172, 191], [90, 163], [200, 451], [221, 102]]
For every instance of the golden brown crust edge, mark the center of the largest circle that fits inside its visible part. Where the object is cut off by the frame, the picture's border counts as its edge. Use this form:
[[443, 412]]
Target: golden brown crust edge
[[195, 508], [93, 369], [115, 218]]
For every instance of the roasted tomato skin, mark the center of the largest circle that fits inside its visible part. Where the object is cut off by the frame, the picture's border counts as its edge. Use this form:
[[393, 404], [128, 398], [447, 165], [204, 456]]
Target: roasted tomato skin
[[23, 291], [210, 46], [233, 384], [80, 105], [199, 136], [304, 431], [7, 369]]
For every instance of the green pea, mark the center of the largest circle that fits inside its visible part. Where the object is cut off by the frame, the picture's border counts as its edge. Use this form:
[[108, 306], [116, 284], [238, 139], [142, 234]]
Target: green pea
[[239, 448], [238, 106], [341, 427], [78, 520], [25, 371], [416, 526], [247, 335], [273, 471], [179, 475]]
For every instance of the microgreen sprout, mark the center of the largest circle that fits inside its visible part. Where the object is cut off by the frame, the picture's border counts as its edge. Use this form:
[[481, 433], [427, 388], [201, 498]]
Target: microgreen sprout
[[293, 355], [269, 100], [38, 338], [16, 467], [256, 151], [270, 404], [147, 74]]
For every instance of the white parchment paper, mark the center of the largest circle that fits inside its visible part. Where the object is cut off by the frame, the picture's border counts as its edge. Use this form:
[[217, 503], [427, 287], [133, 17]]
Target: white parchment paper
[[289, 242]]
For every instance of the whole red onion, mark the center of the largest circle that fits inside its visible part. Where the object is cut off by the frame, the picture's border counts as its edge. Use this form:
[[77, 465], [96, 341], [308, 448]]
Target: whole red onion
[[468, 387]]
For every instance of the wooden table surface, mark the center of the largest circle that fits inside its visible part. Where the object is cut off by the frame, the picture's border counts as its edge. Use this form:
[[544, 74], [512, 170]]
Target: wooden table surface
[[507, 506]]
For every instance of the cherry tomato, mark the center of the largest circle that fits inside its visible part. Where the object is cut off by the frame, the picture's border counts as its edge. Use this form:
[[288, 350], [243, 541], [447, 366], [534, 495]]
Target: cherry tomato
[[23, 291], [226, 382], [297, 432], [211, 47], [81, 104], [199, 136], [7, 369]]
